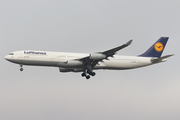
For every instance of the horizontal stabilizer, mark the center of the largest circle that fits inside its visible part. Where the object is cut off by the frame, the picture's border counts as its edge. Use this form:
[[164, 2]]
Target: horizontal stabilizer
[[161, 59]]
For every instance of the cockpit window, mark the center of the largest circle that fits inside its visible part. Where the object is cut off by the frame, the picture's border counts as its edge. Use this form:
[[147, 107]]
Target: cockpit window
[[11, 53]]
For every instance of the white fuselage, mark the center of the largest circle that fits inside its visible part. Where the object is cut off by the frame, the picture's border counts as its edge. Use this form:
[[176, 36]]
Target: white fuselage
[[59, 59]]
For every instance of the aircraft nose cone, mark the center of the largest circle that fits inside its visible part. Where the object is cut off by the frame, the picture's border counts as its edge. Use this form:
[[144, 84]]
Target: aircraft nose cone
[[6, 57]]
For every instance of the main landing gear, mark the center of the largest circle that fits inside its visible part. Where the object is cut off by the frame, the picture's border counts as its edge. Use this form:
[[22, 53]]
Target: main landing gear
[[85, 74], [21, 69]]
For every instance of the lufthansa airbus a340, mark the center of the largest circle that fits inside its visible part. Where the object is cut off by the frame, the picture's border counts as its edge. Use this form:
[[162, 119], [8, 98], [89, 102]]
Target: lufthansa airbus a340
[[87, 63]]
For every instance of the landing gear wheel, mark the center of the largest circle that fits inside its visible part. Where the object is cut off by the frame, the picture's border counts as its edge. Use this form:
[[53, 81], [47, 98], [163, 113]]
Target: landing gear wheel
[[21, 69], [93, 73], [83, 74], [87, 77]]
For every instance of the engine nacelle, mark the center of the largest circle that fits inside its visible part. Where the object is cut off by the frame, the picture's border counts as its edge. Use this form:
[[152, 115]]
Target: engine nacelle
[[70, 70], [78, 70], [65, 70], [97, 56], [74, 63]]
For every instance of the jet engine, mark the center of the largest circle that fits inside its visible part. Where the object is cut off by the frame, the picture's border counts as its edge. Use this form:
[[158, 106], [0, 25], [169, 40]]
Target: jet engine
[[74, 63], [70, 70], [97, 56], [65, 70]]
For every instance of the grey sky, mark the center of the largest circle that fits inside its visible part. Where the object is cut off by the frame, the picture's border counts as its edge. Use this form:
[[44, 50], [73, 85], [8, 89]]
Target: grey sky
[[89, 26]]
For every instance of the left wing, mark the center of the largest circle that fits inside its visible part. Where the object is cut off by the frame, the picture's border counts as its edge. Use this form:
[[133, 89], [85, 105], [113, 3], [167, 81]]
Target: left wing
[[94, 58]]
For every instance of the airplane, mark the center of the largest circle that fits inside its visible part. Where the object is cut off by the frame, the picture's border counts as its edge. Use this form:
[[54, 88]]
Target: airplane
[[87, 63]]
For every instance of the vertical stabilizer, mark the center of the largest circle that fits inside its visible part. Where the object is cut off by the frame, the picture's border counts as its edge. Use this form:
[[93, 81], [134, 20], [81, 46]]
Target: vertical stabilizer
[[157, 48]]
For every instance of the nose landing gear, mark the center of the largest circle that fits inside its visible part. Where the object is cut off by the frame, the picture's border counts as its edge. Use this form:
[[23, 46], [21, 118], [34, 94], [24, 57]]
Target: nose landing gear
[[21, 69]]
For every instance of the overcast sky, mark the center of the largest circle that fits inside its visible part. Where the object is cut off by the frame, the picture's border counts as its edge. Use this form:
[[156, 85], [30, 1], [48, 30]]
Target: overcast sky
[[43, 93]]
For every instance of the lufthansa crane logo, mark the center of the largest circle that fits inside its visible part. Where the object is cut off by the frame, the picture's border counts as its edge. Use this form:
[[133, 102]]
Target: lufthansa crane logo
[[158, 47]]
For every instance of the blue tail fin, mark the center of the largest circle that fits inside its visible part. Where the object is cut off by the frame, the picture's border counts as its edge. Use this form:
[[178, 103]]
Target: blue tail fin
[[157, 48]]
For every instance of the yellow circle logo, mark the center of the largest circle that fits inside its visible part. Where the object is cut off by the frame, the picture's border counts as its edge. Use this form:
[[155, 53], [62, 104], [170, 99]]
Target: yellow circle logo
[[158, 47]]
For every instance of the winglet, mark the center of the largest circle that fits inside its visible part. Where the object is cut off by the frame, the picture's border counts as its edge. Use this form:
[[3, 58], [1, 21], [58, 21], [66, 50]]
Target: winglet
[[128, 43]]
